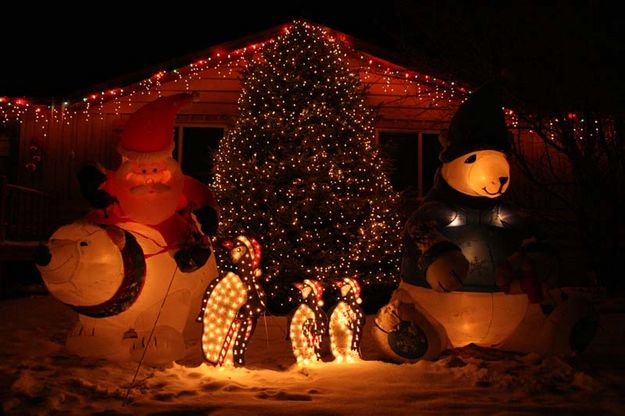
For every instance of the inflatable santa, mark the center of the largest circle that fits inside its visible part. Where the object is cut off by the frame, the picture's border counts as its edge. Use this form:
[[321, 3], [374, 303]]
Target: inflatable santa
[[135, 270], [473, 269], [150, 188]]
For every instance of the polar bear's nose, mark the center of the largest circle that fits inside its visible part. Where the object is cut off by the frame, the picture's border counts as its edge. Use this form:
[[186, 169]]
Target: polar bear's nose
[[503, 180], [42, 256]]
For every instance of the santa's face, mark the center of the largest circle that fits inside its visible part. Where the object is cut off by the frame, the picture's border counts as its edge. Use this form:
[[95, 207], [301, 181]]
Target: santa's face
[[149, 190]]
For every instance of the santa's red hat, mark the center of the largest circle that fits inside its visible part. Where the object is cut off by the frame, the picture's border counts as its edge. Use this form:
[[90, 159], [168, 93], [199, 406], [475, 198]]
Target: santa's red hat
[[148, 132]]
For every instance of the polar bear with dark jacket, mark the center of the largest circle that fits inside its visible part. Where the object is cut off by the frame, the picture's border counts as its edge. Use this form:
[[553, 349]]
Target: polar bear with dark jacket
[[474, 269]]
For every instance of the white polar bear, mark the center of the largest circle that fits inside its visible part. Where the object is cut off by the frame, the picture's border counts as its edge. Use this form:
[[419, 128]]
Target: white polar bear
[[120, 279]]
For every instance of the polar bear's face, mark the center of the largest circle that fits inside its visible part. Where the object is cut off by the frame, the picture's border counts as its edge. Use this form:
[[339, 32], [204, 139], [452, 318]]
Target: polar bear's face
[[483, 173], [86, 266]]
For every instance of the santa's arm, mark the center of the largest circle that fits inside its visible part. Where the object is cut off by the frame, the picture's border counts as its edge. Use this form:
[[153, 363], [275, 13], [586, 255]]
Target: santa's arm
[[95, 186], [203, 204]]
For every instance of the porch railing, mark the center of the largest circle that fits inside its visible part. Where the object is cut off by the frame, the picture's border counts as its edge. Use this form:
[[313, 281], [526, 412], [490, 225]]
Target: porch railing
[[24, 213]]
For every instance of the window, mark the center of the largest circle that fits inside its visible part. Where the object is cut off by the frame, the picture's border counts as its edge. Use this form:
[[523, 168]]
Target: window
[[194, 149], [413, 159]]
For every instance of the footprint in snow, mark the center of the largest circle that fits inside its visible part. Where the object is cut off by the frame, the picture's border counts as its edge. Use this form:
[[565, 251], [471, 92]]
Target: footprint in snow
[[282, 395]]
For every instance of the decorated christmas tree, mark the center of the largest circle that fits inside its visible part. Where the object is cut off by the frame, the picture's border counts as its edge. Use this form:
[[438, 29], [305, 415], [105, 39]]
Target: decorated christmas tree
[[300, 171]]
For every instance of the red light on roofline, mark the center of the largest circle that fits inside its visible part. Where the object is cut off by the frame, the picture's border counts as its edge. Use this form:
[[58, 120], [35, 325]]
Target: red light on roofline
[[344, 38], [162, 75]]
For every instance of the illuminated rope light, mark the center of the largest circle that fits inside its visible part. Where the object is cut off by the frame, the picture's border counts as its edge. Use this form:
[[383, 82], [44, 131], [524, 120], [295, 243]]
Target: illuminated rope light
[[232, 303], [308, 324], [347, 321]]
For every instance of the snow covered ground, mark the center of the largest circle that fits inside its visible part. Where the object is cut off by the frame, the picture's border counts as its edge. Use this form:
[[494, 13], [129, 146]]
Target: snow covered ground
[[38, 377]]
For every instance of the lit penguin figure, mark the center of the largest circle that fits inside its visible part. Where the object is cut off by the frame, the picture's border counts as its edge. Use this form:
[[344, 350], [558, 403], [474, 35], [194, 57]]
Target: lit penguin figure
[[347, 321], [232, 303], [308, 323]]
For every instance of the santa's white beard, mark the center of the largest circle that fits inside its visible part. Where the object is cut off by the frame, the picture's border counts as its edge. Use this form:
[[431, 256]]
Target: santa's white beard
[[149, 198], [149, 208], [156, 188]]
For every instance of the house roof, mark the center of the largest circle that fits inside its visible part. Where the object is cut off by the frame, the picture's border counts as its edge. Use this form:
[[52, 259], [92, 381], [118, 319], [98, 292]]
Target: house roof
[[391, 61], [549, 54]]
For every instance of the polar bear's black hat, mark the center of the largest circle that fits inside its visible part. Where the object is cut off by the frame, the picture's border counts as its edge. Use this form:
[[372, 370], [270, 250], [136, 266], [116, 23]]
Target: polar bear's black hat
[[479, 124]]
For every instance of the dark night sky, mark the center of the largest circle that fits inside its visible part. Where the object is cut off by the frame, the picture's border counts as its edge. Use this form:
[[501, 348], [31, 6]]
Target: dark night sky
[[566, 51]]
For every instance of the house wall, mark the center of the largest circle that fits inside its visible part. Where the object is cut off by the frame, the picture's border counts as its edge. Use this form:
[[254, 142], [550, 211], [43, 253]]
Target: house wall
[[92, 134]]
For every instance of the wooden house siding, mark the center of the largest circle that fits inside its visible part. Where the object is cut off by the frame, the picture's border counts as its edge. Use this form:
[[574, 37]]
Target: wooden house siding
[[92, 135]]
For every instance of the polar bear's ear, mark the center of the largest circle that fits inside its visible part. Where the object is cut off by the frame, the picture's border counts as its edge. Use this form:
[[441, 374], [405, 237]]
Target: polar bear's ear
[[443, 138], [116, 235]]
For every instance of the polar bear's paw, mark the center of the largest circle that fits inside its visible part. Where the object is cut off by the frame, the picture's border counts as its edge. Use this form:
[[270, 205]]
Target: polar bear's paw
[[165, 346], [98, 342]]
